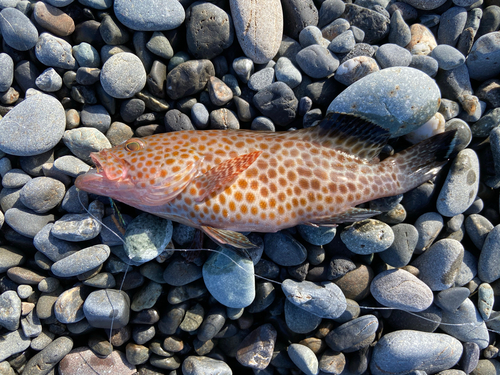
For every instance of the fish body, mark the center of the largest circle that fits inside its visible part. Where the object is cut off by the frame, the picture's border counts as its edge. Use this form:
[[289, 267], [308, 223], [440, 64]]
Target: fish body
[[227, 181]]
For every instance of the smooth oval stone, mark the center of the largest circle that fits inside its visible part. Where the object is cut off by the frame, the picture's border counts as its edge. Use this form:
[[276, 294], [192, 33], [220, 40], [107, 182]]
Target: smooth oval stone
[[13, 342], [29, 129], [26, 222], [123, 75], [76, 227], [42, 194], [483, 57], [367, 237], [83, 141], [229, 278], [440, 264], [156, 15], [81, 261], [146, 297], [488, 265], [406, 351], [382, 97], [82, 361], [283, 249], [146, 237], [17, 30], [317, 235], [55, 52], [461, 185], [447, 56], [401, 290], [107, 308], [259, 28], [256, 349], [316, 61], [6, 72], [53, 19], [353, 335], [197, 365], [325, 300], [451, 299], [400, 252], [466, 324], [354, 69]]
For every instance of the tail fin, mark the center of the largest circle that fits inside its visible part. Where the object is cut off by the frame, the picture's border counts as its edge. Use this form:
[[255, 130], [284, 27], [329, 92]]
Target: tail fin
[[423, 161]]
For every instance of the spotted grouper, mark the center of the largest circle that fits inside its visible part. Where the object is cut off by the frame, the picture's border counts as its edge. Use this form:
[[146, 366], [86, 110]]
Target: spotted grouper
[[229, 181]]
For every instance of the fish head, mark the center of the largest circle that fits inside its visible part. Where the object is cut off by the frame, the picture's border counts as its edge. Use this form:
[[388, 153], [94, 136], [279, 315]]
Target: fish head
[[140, 171]]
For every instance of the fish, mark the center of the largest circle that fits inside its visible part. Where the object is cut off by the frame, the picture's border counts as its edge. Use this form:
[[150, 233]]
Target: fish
[[224, 182]]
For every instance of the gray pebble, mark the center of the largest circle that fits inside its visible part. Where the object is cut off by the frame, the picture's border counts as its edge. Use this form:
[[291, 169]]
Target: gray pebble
[[15, 178], [428, 225], [389, 55], [485, 300], [402, 290], [41, 129], [123, 75], [400, 252], [287, 72], [482, 59], [86, 55], [451, 25], [354, 335], [10, 257], [373, 23], [447, 57], [439, 265], [400, 119], [81, 261], [461, 185], [146, 237], [69, 305], [193, 318], [468, 269], [107, 306], [354, 69], [304, 358], [317, 235], [49, 80], [316, 61], [200, 116], [52, 247], [146, 297], [256, 349], [54, 52], [261, 79], [212, 323], [13, 342], [17, 30], [229, 278], [178, 272], [399, 32], [299, 320], [26, 222], [451, 299], [83, 141], [283, 249], [343, 43], [150, 16], [312, 35], [425, 63], [244, 68], [325, 300], [474, 329], [77, 227], [71, 166], [219, 92], [262, 123], [96, 116], [367, 237], [6, 72], [478, 227], [160, 45], [42, 194], [488, 268], [420, 350], [10, 310]]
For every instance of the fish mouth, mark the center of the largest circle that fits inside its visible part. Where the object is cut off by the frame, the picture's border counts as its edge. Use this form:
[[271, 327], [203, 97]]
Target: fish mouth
[[105, 158]]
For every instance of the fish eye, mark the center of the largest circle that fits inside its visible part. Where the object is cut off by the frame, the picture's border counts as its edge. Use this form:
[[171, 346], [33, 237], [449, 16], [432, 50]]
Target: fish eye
[[134, 145]]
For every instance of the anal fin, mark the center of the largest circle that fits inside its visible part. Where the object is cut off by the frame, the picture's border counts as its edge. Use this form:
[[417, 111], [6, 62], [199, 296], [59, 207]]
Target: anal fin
[[223, 175], [351, 215], [228, 237]]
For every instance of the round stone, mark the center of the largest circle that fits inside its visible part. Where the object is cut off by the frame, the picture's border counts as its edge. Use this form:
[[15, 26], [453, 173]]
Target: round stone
[[283, 249], [147, 15], [189, 78], [41, 130], [107, 308], [389, 55], [447, 57], [42, 194], [123, 75], [316, 61], [367, 237], [382, 98], [82, 141]]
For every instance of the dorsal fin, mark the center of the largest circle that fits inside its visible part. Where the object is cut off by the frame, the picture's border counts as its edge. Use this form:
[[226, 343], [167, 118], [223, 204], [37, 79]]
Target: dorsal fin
[[349, 133]]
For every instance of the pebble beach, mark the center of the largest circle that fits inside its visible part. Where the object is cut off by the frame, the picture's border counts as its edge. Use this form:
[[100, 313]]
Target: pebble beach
[[90, 286]]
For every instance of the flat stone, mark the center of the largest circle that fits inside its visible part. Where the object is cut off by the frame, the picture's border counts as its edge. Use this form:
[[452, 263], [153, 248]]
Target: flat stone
[[157, 15], [400, 252], [420, 350], [451, 299], [259, 28], [299, 320], [82, 141], [42, 194], [81, 261], [367, 237], [283, 249], [189, 78], [41, 130], [26, 222], [53, 19], [304, 358], [10, 257], [83, 361], [298, 14], [197, 365], [389, 90]]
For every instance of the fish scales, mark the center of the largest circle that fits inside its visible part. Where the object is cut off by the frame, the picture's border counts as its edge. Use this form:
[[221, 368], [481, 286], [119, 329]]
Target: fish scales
[[224, 181]]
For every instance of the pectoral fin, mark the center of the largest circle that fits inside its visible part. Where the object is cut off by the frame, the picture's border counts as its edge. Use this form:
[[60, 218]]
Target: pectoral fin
[[349, 216], [223, 175], [228, 237]]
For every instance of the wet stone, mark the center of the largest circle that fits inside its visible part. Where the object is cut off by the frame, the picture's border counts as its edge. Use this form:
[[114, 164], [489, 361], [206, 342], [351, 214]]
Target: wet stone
[[104, 306]]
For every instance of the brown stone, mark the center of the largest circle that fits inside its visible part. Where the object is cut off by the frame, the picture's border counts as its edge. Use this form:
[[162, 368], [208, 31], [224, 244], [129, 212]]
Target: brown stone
[[23, 275], [83, 361], [356, 283], [53, 19], [422, 40]]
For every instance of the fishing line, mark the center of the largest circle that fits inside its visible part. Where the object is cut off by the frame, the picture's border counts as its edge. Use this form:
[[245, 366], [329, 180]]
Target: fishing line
[[475, 324]]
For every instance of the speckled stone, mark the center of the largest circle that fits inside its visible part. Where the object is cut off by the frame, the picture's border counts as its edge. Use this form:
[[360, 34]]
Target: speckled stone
[[10, 310], [42, 194], [123, 75], [55, 52], [53, 19], [41, 129], [157, 15], [256, 349], [299, 320], [196, 365], [26, 222], [83, 361], [13, 342], [375, 97], [367, 237], [353, 335], [83, 141]]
